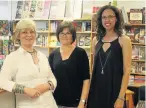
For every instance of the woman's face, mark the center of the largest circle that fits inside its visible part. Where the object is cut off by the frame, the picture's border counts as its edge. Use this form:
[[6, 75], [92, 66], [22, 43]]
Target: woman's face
[[65, 37], [27, 37], [108, 19]]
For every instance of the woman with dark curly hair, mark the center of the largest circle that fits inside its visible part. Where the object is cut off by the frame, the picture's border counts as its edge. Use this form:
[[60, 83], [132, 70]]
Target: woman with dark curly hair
[[112, 61]]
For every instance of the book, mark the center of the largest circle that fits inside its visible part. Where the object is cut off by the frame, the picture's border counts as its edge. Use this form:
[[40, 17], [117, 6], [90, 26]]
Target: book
[[142, 68], [142, 36], [135, 52], [32, 9], [26, 8], [81, 41], [142, 52], [134, 67], [46, 9], [78, 26], [19, 9], [4, 27], [39, 9], [69, 9], [135, 16], [144, 15], [87, 41], [53, 41], [125, 15]]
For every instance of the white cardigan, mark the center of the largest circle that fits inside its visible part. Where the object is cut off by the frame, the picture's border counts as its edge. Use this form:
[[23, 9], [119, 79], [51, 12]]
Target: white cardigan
[[19, 68]]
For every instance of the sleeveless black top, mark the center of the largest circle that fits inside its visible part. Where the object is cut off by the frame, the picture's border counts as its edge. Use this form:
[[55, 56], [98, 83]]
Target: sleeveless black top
[[105, 87]]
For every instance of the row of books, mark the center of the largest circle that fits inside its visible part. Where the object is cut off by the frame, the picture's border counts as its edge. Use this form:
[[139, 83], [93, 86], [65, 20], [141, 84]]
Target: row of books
[[81, 26], [138, 52], [41, 40], [136, 79], [6, 47], [138, 68], [49, 9], [81, 40], [136, 34]]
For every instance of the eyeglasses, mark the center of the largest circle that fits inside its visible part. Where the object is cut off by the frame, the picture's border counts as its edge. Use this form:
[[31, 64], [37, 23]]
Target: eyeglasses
[[65, 34], [110, 17]]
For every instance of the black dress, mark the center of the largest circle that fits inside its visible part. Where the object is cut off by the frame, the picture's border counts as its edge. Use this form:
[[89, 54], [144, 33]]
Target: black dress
[[70, 74], [105, 87]]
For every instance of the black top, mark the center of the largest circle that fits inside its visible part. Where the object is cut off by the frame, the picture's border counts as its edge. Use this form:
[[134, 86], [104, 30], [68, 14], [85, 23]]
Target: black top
[[105, 87], [70, 74]]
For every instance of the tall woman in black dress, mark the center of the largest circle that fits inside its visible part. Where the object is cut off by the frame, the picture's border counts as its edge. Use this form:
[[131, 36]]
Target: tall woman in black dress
[[112, 61], [70, 66]]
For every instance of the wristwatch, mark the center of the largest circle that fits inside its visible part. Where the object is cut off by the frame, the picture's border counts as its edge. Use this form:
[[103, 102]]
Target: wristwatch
[[83, 100]]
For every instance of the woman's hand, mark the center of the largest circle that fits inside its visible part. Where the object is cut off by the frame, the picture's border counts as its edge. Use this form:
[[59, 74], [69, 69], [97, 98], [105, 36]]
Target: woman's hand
[[119, 103], [43, 87], [31, 92]]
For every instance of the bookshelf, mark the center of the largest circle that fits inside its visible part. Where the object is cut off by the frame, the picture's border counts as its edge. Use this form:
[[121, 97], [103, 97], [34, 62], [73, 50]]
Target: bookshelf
[[137, 33]]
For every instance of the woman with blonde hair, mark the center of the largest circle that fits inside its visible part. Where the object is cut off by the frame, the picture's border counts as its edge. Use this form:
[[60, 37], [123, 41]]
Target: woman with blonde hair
[[26, 71]]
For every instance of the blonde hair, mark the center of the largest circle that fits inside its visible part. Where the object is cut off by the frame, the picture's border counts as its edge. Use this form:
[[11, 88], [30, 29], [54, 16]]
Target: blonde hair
[[22, 25]]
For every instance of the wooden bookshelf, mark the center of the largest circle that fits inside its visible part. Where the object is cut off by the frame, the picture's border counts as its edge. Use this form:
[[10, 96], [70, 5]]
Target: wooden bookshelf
[[140, 44], [142, 74], [126, 25], [43, 31], [138, 60]]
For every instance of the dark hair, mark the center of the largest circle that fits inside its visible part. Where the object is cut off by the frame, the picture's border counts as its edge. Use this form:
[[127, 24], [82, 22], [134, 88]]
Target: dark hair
[[118, 25], [70, 26]]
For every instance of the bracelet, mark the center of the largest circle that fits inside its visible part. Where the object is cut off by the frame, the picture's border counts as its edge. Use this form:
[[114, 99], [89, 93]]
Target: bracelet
[[18, 88], [83, 100], [121, 98]]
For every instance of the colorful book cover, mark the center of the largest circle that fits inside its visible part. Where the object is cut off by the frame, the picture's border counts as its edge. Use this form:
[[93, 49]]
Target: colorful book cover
[[39, 40], [26, 9], [6, 46], [39, 9], [53, 41], [46, 10], [87, 40], [32, 9], [134, 67], [142, 36], [142, 52], [4, 27], [135, 52], [88, 26], [78, 26], [142, 68], [81, 41], [19, 9]]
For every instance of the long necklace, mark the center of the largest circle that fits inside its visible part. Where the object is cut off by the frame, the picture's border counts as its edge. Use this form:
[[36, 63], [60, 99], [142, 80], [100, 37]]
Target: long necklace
[[103, 65]]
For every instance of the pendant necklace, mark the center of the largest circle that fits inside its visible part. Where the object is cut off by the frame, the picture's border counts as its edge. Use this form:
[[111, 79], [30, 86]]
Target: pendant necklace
[[103, 65]]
